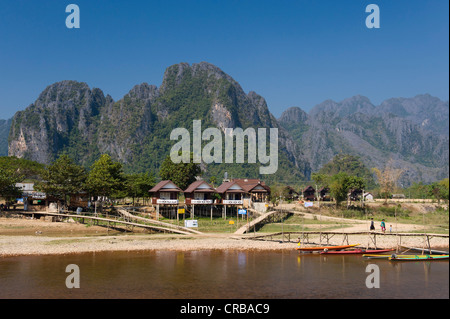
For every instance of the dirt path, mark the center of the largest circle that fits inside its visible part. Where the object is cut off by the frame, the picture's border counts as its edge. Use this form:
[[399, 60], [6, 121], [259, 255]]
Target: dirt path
[[360, 225]]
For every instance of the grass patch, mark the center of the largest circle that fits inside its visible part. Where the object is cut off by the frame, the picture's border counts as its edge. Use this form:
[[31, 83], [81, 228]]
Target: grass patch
[[12, 227], [63, 241], [297, 223], [216, 225]]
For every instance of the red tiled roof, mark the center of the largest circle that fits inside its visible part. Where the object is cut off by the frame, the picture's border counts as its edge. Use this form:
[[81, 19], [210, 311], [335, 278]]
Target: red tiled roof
[[225, 186], [193, 187], [161, 184], [249, 184], [309, 188]]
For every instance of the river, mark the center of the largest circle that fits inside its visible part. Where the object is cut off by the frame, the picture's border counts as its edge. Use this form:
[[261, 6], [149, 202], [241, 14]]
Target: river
[[219, 274]]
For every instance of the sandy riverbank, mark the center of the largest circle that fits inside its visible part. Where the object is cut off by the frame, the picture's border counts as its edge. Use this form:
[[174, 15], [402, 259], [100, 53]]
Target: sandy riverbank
[[34, 245], [42, 245], [19, 237]]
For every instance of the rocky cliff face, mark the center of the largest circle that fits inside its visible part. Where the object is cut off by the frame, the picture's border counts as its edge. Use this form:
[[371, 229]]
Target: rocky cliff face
[[4, 132], [375, 133], [63, 119], [72, 118], [69, 117], [429, 112]]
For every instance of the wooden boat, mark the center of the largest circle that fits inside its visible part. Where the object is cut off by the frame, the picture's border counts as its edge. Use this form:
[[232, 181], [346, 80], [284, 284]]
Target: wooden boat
[[376, 256], [422, 250], [357, 251], [321, 248], [418, 257]]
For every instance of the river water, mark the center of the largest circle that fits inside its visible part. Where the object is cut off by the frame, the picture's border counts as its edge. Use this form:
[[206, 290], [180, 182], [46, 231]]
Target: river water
[[219, 274]]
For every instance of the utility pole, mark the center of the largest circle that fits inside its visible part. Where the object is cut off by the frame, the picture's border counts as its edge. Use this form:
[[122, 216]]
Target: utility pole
[[318, 196], [282, 224]]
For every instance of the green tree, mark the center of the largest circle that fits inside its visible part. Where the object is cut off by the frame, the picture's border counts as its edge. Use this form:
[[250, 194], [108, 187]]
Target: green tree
[[138, 185], [342, 183], [106, 177], [213, 181], [62, 178], [445, 185], [182, 174], [352, 165], [25, 168], [439, 190], [418, 190], [8, 179], [321, 179]]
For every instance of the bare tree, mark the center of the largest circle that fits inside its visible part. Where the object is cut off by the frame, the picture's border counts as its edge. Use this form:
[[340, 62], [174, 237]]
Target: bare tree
[[388, 178]]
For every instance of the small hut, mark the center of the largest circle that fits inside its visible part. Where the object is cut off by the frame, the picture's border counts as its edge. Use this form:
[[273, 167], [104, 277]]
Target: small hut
[[165, 192], [199, 192], [231, 193], [200, 196], [289, 193], [165, 197], [255, 190], [309, 193], [324, 194], [355, 194]]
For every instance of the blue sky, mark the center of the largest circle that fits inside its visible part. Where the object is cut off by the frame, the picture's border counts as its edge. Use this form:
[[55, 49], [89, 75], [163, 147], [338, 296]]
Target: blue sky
[[293, 53]]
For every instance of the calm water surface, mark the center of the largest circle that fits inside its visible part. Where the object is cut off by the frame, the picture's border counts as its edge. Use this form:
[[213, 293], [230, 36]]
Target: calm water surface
[[219, 274]]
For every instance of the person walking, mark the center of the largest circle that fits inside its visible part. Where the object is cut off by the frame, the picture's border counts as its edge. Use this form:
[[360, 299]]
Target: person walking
[[383, 226], [372, 224]]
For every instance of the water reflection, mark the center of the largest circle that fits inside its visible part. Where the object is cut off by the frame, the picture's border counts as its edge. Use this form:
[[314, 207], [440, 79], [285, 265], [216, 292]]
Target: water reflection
[[242, 260], [219, 274]]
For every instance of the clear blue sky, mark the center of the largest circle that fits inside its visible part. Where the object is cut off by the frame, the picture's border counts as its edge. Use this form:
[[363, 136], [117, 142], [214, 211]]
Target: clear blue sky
[[293, 53]]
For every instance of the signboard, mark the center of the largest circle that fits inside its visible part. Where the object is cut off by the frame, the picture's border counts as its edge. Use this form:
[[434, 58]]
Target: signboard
[[232, 202], [35, 195], [242, 212], [190, 223], [180, 210], [231, 222], [201, 201], [309, 204], [167, 201]]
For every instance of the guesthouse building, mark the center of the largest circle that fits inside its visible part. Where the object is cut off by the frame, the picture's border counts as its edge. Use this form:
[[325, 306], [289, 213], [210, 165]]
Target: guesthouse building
[[199, 197], [164, 196], [309, 193]]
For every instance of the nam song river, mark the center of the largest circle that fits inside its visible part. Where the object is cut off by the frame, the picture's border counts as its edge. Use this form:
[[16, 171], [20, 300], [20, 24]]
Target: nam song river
[[217, 274]]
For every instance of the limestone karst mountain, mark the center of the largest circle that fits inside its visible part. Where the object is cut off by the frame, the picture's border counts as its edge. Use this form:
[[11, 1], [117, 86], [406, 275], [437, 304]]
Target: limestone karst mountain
[[70, 117]]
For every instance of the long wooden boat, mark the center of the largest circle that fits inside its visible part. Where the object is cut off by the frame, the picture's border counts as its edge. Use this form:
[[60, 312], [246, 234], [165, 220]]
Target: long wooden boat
[[377, 256], [418, 257], [429, 251], [322, 248], [357, 252]]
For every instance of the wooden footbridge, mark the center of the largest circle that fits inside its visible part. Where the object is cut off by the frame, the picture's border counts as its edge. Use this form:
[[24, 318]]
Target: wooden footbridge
[[323, 237], [259, 221], [125, 218], [129, 216]]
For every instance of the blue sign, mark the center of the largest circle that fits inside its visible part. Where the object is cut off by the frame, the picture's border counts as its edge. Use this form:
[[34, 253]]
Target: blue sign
[[242, 212]]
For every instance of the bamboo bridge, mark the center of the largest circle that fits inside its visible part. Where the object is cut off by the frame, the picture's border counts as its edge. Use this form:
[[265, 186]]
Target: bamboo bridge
[[126, 220], [323, 237]]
